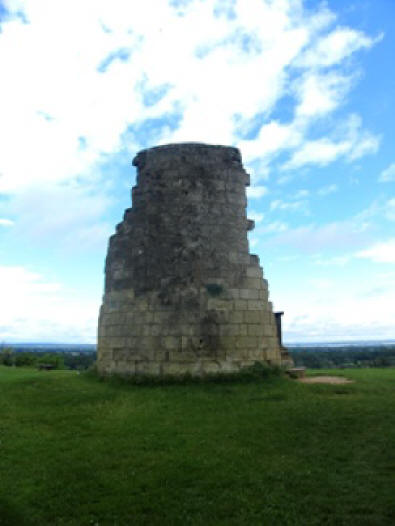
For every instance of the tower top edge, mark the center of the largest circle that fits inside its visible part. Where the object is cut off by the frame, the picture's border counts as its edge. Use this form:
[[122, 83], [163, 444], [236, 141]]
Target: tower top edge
[[186, 149]]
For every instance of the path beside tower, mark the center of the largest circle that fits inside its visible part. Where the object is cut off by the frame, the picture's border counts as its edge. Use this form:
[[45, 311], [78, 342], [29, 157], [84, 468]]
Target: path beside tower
[[182, 292]]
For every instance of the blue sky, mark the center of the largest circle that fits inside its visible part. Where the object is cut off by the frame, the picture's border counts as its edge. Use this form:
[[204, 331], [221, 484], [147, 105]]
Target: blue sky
[[305, 89]]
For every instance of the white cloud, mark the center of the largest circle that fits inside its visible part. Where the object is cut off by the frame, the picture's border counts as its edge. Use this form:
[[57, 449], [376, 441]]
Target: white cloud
[[329, 189], [341, 308], [294, 206], [389, 209], [301, 194], [388, 175], [65, 104], [336, 46], [332, 261], [382, 252], [273, 228], [255, 192], [37, 309], [349, 141], [69, 215], [321, 93], [256, 216], [6, 222], [272, 138], [321, 283], [321, 151], [337, 235]]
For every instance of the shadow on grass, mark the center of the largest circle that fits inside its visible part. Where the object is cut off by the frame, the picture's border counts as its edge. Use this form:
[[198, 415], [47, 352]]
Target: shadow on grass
[[11, 516], [258, 371]]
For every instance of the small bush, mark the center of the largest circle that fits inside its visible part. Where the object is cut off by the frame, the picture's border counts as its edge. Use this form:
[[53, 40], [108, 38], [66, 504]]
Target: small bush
[[7, 356]]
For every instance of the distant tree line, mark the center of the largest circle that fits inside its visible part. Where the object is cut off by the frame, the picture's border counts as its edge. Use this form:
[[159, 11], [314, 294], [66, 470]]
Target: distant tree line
[[341, 357], [311, 357], [59, 359]]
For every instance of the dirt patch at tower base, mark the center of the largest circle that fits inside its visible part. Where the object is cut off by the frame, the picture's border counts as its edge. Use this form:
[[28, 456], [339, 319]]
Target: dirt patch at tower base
[[325, 380]]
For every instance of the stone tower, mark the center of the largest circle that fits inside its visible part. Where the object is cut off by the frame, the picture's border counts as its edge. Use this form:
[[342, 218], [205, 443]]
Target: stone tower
[[182, 292]]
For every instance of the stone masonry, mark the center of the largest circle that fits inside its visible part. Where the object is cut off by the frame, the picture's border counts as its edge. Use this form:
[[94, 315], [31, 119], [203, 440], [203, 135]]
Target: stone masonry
[[182, 292]]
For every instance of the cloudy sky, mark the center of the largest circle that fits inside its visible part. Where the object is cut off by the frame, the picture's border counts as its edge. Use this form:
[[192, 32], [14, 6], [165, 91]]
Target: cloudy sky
[[304, 88]]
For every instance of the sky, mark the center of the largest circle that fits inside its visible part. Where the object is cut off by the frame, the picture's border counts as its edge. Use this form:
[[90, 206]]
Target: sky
[[304, 88]]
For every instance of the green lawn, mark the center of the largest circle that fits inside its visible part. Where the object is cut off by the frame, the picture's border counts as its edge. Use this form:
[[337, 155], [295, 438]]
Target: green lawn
[[74, 450]]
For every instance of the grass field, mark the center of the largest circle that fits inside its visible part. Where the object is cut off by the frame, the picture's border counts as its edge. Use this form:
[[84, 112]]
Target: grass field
[[74, 450]]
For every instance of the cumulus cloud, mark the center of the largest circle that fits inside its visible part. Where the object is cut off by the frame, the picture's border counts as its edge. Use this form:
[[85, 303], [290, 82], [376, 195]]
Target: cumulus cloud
[[67, 101], [388, 174], [42, 310], [337, 235], [6, 222], [301, 194], [389, 208], [273, 227], [382, 252], [337, 310], [256, 216], [336, 46], [320, 93], [68, 215], [293, 206], [255, 192], [329, 189], [349, 141]]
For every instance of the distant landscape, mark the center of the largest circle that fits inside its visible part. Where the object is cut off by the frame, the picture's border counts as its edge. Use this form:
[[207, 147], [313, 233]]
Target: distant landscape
[[317, 355]]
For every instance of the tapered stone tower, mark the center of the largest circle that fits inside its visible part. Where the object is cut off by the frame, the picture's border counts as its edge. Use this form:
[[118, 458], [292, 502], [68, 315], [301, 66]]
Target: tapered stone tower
[[182, 292]]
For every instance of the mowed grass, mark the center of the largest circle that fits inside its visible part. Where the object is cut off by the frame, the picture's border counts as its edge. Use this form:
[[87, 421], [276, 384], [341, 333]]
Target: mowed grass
[[75, 450]]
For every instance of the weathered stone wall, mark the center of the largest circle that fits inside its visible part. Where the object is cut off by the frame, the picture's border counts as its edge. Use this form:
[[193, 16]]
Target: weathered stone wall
[[182, 292]]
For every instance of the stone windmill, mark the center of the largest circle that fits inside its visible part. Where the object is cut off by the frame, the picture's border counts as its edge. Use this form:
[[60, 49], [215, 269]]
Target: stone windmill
[[182, 292]]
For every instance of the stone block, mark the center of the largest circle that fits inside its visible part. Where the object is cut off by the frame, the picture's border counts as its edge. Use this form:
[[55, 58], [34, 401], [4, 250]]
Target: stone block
[[210, 367], [148, 367], [115, 342], [255, 330], [255, 305], [254, 272], [233, 330], [182, 356], [235, 317], [229, 366], [132, 342], [248, 342], [161, 316], [240, 304], [129, 294], [174, 368], [263, 295], [236, 354], [120, 355], [217, 304], [268, 330], [256, 355], [246, 363], [142, 305], [134, 329], [249, 294], [253, 316], [189, 330], [234, 293], [254, 283], [171, 343]]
